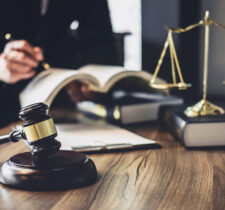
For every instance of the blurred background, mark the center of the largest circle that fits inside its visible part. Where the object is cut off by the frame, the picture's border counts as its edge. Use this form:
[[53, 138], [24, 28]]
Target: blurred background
[[146, 20]]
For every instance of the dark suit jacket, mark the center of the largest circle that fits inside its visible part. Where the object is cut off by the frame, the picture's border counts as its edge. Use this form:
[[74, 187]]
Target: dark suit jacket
[[92, 42]]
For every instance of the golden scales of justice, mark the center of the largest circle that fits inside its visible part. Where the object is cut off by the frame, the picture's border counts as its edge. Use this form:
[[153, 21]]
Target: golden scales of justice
[[203, 107]]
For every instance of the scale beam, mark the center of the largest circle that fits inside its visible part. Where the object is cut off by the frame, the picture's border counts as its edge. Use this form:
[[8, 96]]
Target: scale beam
[[203, 107]]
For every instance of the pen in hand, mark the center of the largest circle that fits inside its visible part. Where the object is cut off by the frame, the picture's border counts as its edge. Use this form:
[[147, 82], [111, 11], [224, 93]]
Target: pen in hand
[[42, 64]]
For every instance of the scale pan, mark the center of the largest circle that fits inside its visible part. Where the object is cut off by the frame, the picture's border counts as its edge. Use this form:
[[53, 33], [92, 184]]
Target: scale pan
[[180, 86]]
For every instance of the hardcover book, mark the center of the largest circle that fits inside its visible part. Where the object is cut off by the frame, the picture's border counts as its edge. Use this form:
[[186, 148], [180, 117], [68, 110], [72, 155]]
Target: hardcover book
[[200, 131], [128, 107]]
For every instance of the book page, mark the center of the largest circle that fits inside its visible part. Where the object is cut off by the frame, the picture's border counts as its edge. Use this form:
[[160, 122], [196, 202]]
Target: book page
[[97, 135], [109, 75], [102, 73], [45, 86]]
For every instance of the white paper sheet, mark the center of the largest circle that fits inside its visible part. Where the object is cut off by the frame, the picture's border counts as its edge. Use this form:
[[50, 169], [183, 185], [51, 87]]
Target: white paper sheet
[[92, 136]]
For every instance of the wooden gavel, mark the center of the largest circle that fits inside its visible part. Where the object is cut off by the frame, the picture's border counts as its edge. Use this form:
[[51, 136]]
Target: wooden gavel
[[46, 167], [38, 131]]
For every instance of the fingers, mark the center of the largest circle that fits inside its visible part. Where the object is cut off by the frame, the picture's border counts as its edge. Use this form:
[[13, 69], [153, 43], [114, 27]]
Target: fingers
[[38, 53], [79, 92], [73, 89], [86, 92], [13, 77], [18, 61], [21, 45], [19, 68], [21, 58], [34, 53], [27, 75]]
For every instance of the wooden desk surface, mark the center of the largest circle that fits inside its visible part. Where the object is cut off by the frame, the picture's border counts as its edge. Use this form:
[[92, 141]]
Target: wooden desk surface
[[167, 178]]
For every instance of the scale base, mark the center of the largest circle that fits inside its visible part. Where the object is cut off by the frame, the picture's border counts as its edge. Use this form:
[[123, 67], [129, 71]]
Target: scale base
[[203, 108], [63, 170]]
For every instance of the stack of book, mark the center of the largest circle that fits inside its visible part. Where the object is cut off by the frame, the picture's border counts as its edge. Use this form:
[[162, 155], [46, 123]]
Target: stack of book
[[128, 107], [193, 132]]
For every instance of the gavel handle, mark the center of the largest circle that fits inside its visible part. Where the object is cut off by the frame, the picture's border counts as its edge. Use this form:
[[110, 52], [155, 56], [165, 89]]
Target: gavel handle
[[14, 136], [4, 139]]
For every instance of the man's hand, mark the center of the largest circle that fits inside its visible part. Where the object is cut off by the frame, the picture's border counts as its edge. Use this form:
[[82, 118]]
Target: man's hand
[[18, 60], [79, 92]]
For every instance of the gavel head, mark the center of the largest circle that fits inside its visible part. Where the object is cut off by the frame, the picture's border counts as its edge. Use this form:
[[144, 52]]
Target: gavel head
[[39, 130]]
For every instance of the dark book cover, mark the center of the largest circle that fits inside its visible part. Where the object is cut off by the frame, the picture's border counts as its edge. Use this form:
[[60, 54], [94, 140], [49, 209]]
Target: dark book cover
[[128, 107], [174, 119]]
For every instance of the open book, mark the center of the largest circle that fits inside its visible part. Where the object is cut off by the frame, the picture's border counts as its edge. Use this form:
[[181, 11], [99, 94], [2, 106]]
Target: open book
[[46, 85]]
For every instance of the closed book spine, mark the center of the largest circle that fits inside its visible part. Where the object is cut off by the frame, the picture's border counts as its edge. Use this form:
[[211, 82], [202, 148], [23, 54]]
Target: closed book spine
[[194, 132], [110, 113], [129, 108], [172, 122]]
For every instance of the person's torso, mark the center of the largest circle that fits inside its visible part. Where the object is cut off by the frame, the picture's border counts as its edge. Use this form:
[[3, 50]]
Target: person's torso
[[23, 19]]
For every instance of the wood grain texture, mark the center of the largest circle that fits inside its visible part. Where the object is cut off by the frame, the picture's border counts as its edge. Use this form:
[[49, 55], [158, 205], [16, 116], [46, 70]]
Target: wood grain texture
[[167, 178]]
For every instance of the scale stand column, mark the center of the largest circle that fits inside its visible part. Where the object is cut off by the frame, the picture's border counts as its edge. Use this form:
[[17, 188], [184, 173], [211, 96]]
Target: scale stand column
[[204, 107]]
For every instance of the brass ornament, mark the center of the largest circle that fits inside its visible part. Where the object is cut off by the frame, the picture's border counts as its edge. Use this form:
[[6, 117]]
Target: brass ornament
[[203, 107], [181, 85], [40, 130]]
